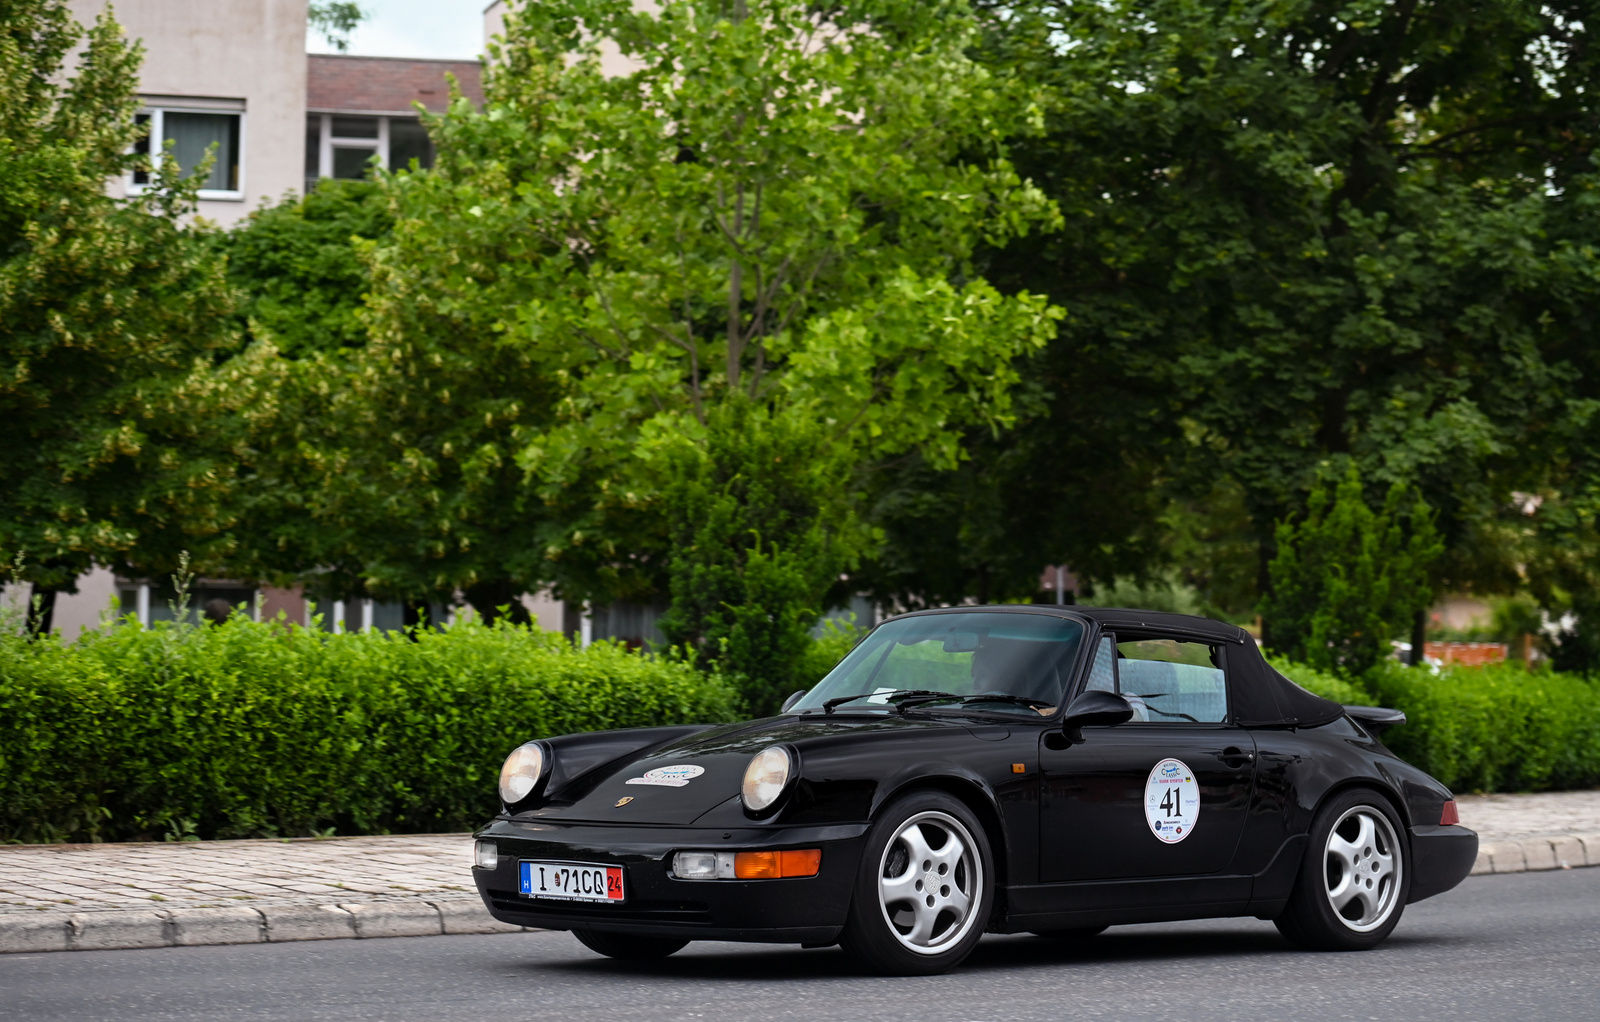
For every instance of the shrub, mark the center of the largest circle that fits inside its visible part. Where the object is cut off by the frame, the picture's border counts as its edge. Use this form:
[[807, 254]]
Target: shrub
[[1329, 686], [258, 730], [1346, 578], [1498, 728]]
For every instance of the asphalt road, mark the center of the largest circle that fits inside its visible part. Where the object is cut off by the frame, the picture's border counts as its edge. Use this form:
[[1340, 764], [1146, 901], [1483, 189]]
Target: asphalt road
[[1523, 946]]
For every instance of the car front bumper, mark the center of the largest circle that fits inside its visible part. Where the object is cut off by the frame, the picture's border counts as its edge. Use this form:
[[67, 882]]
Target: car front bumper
[[809, 910]]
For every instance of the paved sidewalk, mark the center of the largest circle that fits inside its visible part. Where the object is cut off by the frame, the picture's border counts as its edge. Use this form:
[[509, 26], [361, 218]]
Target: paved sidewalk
[[65, 897], [213, 874]]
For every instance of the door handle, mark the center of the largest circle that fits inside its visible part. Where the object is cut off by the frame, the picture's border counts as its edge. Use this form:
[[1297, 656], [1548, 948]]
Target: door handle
[[1236, 757]]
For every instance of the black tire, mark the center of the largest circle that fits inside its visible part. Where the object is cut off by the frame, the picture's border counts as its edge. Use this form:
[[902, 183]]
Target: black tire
[[627, 947], [896, 936], [1359, 852]]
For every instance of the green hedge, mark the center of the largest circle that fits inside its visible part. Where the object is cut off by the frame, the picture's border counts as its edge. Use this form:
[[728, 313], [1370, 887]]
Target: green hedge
[[260, 730], [1499, 728]]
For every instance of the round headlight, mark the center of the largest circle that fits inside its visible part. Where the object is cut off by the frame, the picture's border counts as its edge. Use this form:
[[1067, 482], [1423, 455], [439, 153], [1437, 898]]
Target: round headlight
[[520, 773], [765, 777]]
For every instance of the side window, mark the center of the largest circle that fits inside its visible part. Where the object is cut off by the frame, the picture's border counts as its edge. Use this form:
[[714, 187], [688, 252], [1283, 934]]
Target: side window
[[1172, 681], [1103, 673]]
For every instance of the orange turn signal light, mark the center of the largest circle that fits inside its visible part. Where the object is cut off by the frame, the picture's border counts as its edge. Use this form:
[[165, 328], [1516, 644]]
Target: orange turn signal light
[[802, 862]]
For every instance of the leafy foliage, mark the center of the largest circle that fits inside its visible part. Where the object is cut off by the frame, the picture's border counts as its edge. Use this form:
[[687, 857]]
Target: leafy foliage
[[112, 314], [335, 19], [1347, 579], [1498, 728], [250, 729], [760, 528], [764, 208], [299, 268], [1299, 230]]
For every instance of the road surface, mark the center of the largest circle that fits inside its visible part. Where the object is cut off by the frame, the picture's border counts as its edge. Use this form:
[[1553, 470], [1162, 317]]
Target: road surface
[[1521, 946]]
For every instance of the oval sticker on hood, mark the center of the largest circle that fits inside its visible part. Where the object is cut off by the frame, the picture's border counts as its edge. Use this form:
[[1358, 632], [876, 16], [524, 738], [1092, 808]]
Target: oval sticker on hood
[[669, 776]]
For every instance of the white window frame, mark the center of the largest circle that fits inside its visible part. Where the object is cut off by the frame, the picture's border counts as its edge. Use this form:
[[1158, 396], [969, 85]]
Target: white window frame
[[326, 142], [157, 112]]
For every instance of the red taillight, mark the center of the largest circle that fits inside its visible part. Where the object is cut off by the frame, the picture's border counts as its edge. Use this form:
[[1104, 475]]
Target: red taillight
[[1449, 817]]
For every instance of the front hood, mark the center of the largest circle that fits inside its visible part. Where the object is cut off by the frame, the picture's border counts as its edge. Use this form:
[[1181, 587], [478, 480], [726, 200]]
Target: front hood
[[677, 783]]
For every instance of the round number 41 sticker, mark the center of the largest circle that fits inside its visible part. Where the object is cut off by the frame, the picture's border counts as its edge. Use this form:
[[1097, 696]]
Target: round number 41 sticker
[[1171, 801]]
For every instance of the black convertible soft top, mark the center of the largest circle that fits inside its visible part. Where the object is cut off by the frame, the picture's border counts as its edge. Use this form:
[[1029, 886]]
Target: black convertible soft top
[[1258, 694]]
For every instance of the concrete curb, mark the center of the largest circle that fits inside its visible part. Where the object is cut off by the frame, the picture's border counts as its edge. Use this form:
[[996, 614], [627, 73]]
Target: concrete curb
[[189, 927], [1537, 853]]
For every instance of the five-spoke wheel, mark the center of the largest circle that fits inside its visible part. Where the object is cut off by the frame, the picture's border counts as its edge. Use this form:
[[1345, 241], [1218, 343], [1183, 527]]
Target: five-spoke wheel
[[927, 882], [1354, 882], [922, 896], [1363, 867]]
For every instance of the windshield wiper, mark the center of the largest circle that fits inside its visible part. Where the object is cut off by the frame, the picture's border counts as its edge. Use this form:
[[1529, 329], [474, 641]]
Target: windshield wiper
[[905, 702], [897, 697], [1001, 697]]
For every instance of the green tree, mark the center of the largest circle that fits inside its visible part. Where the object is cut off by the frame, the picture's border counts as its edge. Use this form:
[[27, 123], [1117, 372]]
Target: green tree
[[1347, 579], [1298, 230], [335, 20], [767, 208], [112, 314], [299, 270], [760, 526]]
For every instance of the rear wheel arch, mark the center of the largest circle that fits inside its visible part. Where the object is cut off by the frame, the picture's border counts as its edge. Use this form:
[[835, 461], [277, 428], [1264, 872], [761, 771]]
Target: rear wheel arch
[[1378, 788]]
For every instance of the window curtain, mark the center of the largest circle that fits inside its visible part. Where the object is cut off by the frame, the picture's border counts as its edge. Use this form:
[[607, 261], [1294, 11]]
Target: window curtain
[[192, 135]]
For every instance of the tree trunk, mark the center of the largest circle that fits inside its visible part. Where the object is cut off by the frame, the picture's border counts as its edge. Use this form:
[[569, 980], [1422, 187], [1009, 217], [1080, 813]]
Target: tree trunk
[[1419, 637], [492, 598]]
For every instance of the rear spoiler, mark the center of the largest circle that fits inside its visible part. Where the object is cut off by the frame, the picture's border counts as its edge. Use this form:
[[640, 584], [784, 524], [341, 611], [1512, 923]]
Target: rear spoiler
[[1376, 718]]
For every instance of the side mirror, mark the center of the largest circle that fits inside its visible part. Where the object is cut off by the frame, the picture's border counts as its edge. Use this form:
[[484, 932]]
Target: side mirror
[[793, 698], [1095, 707]]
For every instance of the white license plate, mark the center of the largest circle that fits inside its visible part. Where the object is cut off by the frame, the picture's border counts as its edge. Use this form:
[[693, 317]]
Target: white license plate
[[570, 881]]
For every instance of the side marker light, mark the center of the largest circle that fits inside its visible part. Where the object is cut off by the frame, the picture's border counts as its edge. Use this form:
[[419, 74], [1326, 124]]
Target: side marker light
[[804, 862], [1449, 817], [1019, 768]]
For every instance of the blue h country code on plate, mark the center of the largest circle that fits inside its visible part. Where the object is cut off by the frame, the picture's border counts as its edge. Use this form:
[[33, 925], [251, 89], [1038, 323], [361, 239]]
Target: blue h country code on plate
[[570, 881]]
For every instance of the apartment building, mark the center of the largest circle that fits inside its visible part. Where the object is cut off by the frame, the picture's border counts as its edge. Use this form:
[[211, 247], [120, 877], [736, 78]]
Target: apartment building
[[363, 108], [228, 73], [235, 75]]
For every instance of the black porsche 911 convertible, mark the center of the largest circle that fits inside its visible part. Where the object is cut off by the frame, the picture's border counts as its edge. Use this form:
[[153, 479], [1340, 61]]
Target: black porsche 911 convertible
[[1053, 770]]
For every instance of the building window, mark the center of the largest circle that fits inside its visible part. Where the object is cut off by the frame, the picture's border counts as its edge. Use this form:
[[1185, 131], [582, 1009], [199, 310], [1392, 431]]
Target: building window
[[343, 146], [192, 134]]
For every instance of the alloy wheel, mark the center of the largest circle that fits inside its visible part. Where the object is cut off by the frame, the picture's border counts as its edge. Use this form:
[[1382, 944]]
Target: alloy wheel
[[1362, 869], [929, 882]]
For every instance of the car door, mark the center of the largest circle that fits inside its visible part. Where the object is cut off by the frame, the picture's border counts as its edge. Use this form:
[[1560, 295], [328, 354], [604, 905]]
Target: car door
[[1165, 794]]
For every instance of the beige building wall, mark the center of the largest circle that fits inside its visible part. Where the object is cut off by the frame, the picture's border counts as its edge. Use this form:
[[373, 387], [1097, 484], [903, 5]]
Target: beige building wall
[[612, 62], [227, 56]]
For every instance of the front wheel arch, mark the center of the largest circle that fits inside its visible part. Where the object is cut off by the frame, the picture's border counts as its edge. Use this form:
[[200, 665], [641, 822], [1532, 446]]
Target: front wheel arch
[[982, 805]]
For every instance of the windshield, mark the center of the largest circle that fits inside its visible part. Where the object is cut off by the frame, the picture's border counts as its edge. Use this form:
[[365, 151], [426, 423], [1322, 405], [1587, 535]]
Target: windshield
[[1027, 657]]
